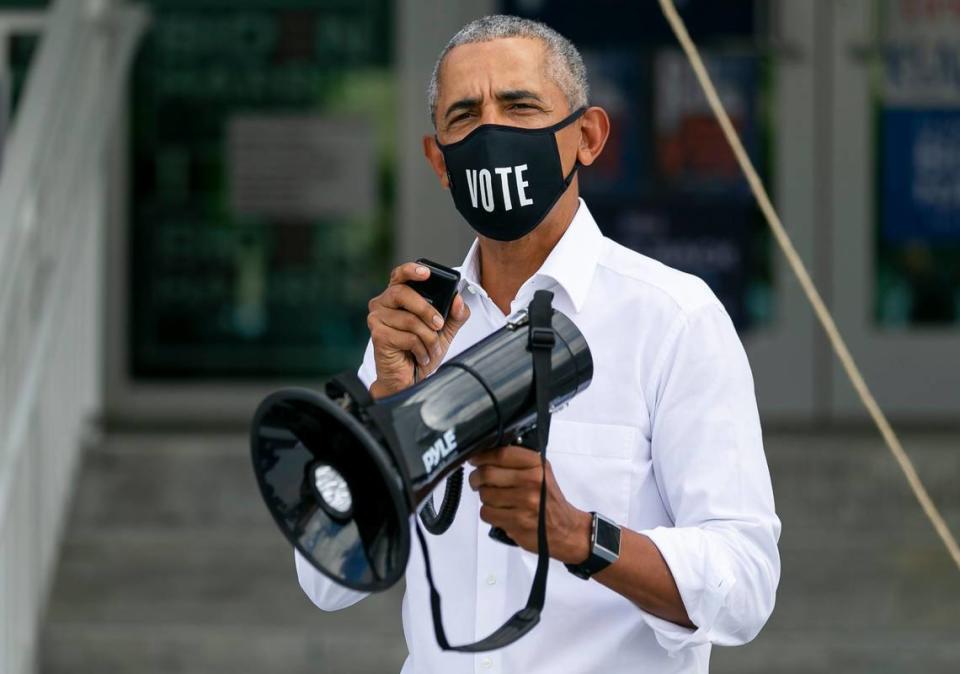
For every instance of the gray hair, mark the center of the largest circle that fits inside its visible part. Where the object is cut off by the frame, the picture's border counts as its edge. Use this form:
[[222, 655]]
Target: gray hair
[[563, 61]]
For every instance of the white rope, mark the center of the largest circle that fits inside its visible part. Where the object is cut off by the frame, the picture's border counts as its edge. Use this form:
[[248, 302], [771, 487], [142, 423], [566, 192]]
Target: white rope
[[796, 264]]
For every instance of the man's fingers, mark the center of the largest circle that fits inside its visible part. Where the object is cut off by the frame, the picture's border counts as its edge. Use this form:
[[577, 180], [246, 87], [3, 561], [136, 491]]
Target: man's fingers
[[404, 321], [386, 337], [509, 497], [398, 295], [405, 297], [459, 313], [510, 519], [407, 341], [497, 517], [508, 456], [495, 476], [409, 271]]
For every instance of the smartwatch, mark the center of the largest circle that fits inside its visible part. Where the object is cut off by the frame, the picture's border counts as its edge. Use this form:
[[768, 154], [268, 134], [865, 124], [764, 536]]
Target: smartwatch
[[604, 548]]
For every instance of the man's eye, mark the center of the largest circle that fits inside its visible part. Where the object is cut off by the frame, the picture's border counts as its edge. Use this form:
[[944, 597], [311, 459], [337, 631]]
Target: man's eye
[[459, 118], [525, 106]]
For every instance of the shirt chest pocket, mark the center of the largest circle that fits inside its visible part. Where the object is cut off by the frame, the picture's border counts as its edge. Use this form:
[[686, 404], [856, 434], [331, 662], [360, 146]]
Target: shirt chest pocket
[[592, 464]]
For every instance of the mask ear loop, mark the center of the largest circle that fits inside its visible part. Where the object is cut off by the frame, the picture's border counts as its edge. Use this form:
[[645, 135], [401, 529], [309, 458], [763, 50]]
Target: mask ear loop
[[563, 123], [573, 172], [566, 121]]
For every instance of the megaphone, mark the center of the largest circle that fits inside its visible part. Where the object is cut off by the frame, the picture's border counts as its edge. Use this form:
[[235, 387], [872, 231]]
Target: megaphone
[[342, 474]]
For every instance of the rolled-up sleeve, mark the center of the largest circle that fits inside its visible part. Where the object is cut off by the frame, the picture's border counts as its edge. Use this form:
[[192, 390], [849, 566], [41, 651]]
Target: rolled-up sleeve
[[710, 467], [322, 591]]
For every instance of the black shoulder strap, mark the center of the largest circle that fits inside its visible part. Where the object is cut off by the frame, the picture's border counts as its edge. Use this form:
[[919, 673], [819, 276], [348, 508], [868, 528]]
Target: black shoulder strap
[[540, 342]]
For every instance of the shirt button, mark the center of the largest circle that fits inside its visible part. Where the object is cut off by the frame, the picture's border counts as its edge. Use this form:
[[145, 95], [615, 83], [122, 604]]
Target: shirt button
[[491, 579], [486, 663]]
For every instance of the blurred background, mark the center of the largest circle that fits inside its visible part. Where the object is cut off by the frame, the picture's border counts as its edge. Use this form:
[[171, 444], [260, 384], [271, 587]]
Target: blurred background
[[198, 197]]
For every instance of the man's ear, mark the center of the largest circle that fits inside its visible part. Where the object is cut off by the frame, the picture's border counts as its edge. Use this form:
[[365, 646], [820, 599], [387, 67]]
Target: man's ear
[[594, 131], [433, 154]]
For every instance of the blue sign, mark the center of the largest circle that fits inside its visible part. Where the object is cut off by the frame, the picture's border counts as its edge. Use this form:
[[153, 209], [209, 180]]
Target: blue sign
[[920, 175]]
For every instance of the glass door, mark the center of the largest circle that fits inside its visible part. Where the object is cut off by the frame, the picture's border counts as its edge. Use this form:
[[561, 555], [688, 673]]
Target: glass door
[[896, 207]]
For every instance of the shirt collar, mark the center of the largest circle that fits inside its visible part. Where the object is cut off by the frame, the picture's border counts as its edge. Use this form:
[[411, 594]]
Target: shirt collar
[[571, 263]]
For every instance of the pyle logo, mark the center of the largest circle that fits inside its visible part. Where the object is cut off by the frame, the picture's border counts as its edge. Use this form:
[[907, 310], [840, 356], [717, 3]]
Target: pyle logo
[[480, 184], [439, 450]]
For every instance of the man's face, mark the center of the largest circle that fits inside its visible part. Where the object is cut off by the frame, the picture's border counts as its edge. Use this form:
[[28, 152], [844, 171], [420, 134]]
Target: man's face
[[501, 82]]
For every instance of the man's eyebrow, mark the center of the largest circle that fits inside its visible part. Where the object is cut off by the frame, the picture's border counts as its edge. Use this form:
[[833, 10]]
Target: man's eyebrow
[[503, 96], [462, 104], [518, 94]]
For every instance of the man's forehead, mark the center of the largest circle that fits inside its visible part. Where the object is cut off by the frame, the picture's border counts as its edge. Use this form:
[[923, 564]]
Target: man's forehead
[[470, 70]]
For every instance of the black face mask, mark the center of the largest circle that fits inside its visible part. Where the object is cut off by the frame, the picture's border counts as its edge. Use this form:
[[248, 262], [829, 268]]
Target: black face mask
[[505, 179]]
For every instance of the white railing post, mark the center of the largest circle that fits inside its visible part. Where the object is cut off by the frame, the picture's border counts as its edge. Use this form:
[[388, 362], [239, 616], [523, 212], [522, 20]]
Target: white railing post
[[51, 240]]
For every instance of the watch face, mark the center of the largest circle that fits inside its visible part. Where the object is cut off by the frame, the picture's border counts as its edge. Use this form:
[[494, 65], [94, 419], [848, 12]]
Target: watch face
[[608, 538]]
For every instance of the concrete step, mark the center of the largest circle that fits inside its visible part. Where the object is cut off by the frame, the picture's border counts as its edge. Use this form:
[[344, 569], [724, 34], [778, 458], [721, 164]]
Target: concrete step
[[171, 481], [830, 489], [192, 577], [172, 564], [148, 648], [850, 483], [204, 579], [846, 651], [844, 483]]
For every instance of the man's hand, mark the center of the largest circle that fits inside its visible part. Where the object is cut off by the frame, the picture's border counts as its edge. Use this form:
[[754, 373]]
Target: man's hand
[[404, 327], [508, 482]]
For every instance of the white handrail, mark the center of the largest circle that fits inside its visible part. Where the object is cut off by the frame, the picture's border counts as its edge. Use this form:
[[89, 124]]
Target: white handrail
[[51, 227]]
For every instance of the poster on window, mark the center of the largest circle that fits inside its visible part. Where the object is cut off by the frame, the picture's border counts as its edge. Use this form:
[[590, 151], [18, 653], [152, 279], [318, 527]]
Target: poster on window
[[692, 153], [919, 123], [622, 171]]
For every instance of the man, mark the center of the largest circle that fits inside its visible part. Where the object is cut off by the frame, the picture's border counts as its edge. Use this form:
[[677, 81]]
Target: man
[[664, 445]]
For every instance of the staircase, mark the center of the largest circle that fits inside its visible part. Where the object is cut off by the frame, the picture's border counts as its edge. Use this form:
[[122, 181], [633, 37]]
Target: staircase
[[866, 584], [171, 564]]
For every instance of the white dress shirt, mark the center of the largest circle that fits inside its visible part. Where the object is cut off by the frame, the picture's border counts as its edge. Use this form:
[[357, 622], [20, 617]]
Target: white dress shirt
[[665, 441]]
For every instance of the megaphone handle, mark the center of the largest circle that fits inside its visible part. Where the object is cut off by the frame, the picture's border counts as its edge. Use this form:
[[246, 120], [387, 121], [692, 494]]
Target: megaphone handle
[[529, 440]]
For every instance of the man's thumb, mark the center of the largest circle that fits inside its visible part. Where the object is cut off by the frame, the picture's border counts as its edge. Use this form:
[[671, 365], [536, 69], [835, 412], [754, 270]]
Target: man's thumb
[[459, 313]]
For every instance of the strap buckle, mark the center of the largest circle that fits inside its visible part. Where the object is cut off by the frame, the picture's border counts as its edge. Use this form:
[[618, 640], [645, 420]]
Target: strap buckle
[[541, 338]]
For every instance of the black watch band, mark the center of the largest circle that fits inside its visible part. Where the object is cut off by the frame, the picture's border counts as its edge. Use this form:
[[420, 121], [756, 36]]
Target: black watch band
[[604, 548]]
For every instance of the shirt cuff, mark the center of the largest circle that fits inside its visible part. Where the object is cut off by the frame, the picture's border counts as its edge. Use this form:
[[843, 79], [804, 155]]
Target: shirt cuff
[[322, 591], [703, 579]]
